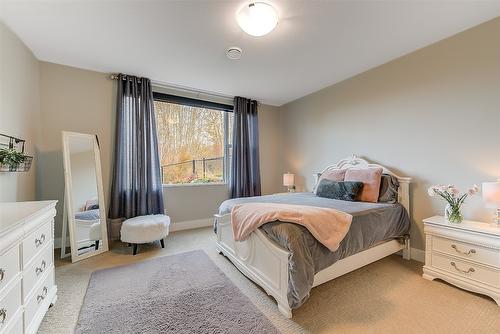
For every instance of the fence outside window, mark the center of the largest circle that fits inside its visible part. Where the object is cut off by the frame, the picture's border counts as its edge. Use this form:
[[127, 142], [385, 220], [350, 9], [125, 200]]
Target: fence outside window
[[205, 170]]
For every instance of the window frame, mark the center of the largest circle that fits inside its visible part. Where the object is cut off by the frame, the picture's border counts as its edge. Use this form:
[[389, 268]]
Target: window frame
[[197, 103]]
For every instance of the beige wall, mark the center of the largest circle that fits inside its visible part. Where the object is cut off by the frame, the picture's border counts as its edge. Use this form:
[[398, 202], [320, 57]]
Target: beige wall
[[270, 149], [84, 101], [433, 115], [74, 100], [19, 110]]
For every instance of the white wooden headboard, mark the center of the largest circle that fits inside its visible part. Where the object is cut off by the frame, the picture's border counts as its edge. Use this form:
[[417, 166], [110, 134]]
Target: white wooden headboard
[[356, 162]]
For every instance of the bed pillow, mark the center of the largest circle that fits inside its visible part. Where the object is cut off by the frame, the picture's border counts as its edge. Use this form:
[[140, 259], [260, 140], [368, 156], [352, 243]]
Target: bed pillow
[[90, 203], [389, 186], [332, 175], [343, 190], [371, 178]]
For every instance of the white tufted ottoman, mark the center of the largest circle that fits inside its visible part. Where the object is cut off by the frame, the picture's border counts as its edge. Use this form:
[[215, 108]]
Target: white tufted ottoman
[[144, 229]]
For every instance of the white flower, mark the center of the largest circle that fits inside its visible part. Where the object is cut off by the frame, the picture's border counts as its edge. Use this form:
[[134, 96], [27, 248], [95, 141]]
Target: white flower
[[431, 191], [453, 190], [473, 190], [441, 188]]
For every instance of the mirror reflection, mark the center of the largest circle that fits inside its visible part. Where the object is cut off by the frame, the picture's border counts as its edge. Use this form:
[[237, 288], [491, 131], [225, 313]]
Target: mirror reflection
[[84, 190], [85, 197]]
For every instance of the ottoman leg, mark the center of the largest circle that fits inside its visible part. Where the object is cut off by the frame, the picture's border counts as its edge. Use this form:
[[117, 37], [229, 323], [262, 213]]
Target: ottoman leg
[[135, 249], [162, 242]]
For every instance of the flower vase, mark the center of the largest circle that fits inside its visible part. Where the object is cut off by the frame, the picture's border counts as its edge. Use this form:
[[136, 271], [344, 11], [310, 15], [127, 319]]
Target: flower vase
[[452, 214]]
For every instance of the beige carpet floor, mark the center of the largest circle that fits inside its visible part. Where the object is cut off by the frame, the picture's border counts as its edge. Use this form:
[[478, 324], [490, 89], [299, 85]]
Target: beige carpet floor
[[388, 296]]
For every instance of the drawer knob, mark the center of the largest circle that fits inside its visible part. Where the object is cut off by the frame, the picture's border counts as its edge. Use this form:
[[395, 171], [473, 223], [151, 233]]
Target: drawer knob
[[2, 274], [470, 251], [470, 270], [3, 316], [39, 270], [39, 242], [41, 297]]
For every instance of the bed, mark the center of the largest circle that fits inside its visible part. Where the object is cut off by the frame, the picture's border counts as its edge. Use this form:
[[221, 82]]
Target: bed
[[88, 228], [286, 261]]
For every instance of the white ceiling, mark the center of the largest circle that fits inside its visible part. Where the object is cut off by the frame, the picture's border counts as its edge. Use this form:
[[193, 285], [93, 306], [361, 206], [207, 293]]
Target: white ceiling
[[316, 43]]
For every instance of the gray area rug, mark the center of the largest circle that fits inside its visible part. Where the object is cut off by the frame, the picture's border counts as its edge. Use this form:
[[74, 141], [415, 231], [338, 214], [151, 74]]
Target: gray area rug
[[183, 293]]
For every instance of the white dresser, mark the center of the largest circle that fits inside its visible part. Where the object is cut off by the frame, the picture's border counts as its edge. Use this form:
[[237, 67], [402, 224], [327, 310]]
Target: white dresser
[[27, 285], [466, 255]]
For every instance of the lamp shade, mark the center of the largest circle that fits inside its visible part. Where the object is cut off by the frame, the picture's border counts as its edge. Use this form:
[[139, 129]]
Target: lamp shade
[[491, 194], [288, 179]]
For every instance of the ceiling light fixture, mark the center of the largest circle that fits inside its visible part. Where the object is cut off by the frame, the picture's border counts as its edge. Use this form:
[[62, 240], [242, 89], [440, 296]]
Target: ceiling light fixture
[[257, 18]]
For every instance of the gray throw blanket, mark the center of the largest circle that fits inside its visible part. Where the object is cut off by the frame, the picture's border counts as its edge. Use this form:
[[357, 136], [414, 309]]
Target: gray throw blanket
[[371, 224]]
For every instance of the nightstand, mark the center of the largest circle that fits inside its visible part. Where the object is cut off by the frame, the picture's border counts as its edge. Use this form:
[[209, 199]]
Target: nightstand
[[466, 255]]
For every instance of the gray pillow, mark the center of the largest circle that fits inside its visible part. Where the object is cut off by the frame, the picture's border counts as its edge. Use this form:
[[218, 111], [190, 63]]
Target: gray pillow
[[346, 190], [389, 186]]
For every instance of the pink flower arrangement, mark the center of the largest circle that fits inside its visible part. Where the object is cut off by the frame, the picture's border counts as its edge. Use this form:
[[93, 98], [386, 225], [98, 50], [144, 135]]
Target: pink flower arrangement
[[454, 198]]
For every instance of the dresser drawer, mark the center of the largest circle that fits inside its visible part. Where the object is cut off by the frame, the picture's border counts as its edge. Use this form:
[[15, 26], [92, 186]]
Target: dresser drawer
[[36, 268], [38, 298], [35, 241], [467, 251], [15, 326], [9, 266], [10, 303], [468, 270]]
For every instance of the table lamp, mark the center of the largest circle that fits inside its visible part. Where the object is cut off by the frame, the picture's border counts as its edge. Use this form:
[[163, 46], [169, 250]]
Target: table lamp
[[491, 196], [289, 182]]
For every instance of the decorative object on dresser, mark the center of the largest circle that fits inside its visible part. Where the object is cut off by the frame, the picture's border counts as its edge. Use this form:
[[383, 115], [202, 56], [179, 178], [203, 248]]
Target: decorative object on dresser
[[27, 282], [289, 182], [85, 212], [454, 200], [491, 196], [466, 255]]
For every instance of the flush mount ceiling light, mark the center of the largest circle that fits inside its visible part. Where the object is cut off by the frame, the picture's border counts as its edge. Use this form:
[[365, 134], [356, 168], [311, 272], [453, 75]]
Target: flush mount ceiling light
[[257, 18]]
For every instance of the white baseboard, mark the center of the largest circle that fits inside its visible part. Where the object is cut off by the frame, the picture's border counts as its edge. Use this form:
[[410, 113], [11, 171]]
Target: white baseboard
[[417, 255], [191, 224], [175, 226]]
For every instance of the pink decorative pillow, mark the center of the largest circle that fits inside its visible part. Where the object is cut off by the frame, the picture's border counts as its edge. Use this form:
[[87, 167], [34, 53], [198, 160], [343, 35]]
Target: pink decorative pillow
[[333, 175], [371, 182]]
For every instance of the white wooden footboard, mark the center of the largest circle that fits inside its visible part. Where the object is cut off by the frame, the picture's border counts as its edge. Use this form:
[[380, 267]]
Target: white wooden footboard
[[259, 258], [266, 263]]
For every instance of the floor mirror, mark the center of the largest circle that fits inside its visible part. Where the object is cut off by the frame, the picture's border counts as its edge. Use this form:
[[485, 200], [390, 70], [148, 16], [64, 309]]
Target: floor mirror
[[85, 212]]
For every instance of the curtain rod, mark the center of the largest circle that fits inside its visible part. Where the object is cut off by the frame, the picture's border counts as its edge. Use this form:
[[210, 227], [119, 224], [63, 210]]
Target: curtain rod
[[198, 92]]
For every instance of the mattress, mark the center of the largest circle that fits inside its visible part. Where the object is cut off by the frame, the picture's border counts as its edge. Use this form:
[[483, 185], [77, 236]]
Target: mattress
[[372, 223]]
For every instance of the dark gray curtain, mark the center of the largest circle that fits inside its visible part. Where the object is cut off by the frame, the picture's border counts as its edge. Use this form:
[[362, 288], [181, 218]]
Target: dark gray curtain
[[136, 187], [245, 169]]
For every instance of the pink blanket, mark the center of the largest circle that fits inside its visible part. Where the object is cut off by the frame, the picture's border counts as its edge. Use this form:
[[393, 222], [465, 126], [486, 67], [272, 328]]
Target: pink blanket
[[328, 226]]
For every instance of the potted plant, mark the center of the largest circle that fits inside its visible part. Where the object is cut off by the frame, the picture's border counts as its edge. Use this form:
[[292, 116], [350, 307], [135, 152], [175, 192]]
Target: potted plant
[[454, 200], [11, 158]]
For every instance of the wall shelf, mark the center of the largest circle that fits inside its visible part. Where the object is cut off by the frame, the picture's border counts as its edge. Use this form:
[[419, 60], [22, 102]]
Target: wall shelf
[[12, 143]]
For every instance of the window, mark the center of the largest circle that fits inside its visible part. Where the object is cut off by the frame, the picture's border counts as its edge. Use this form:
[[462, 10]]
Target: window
[[193, 139]]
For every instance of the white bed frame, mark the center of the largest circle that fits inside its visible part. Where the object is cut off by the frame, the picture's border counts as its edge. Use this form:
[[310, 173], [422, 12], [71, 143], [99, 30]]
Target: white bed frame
[[266, 263]]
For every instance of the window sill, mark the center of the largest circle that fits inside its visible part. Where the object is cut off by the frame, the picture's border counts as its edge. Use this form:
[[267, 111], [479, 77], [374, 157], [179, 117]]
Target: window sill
[[180, 185]]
